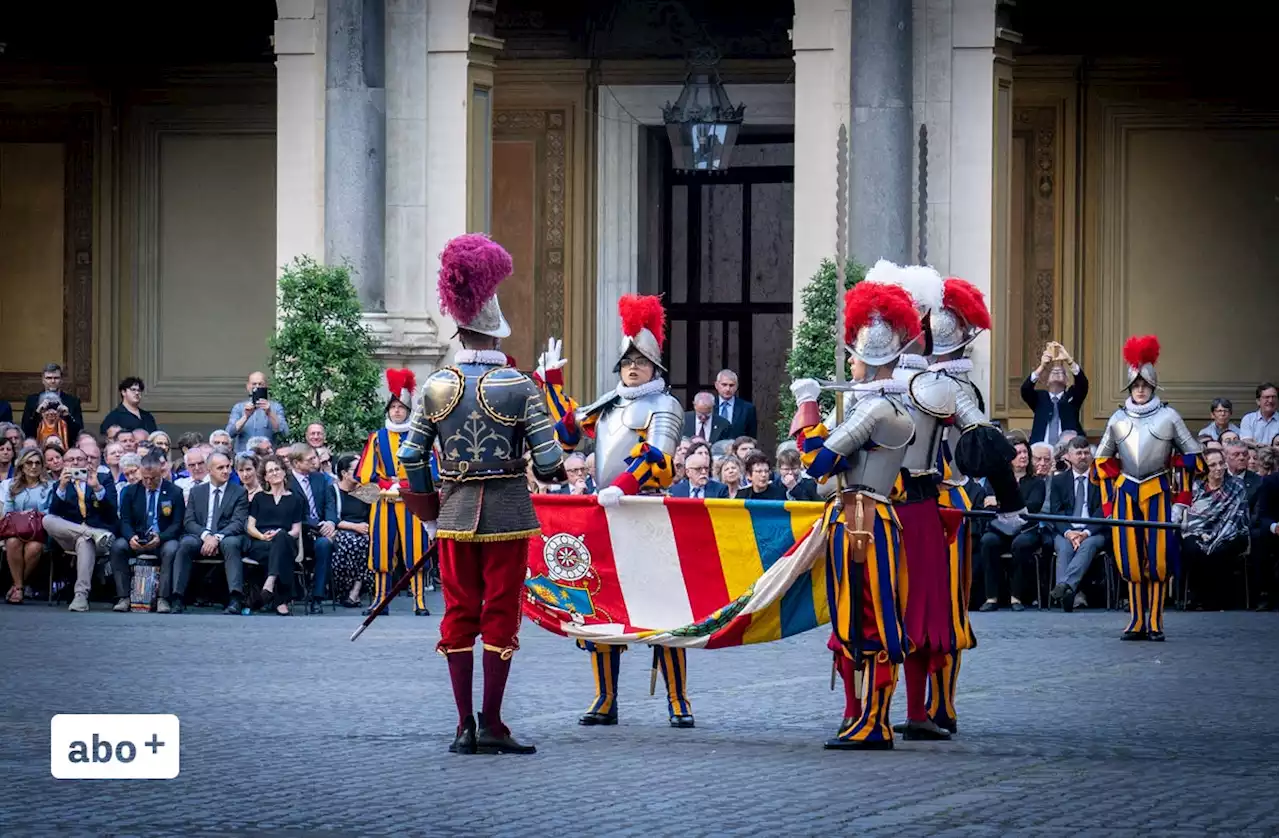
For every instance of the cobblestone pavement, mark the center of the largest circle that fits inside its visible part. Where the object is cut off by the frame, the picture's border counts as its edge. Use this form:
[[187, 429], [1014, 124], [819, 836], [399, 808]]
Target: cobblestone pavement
[[288, 728]]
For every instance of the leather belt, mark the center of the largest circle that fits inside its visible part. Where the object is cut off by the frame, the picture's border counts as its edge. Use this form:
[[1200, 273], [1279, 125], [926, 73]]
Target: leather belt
[[480, 468]]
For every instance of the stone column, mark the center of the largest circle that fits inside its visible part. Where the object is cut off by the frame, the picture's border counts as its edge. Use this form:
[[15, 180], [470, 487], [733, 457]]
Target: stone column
[[820, 39], [880, 134], [299, 47], [355, 145]]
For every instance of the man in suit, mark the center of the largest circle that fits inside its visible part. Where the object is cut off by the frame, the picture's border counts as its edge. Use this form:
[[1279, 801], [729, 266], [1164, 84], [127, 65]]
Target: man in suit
[[1237, 456], [321, 520], [1073, 493], [739, 413], [151, 513], [214, 525], [1057, 408], [578, 480], [82, 513], [52, 379], [697, 482], [703, 421]]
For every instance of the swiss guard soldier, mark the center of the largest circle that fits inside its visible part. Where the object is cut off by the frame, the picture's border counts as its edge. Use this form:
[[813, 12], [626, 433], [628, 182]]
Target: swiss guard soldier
[[393, 530], [862, 457], [636, 427], [483, 415], [962, 316], [934, 610], [1145, 463]]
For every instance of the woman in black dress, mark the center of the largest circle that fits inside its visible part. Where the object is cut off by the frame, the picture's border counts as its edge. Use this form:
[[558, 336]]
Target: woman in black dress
[[351, 541], [275, 525]]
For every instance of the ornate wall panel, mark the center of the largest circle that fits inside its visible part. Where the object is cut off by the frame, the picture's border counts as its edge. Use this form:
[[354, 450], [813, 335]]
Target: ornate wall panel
[[53, 186]]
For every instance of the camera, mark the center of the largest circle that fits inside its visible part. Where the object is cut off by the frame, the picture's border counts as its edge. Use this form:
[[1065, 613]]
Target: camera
[[78, 473], [258, 394]]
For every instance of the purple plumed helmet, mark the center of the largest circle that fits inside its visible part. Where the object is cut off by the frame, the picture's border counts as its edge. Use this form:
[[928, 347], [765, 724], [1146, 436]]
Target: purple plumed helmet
[[471, 267]]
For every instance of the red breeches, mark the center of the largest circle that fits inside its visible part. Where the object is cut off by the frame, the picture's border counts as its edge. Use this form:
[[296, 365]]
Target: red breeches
[[483, 583]]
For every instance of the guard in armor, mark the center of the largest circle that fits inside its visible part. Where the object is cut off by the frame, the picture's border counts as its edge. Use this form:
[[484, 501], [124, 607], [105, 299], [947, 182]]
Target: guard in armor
[[857, 464], [1145, 464], [934, 611], [961, 318], [636, 427], [393, 530], [483, 416]]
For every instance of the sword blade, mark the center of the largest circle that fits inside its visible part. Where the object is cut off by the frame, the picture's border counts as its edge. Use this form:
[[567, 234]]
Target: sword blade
[[1042, 517]]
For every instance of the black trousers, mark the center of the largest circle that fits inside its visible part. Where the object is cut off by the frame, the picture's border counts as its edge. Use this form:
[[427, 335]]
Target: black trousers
[[279, 555], [1213, 582], [1023, 548]]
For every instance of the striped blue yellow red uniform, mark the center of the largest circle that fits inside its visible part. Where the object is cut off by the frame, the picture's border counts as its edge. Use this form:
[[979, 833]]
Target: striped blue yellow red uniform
[[649, 470], [882, 646], [942, 681], [1147, 558], [394, 534]]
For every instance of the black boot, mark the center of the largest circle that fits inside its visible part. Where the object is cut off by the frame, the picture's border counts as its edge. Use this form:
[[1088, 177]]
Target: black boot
[[590, 719], [682, 721], [315, 606], [236, 605], [1134, 635], [175, 604], [1156, 636], [925, 731], [497, 740], [464, 742]]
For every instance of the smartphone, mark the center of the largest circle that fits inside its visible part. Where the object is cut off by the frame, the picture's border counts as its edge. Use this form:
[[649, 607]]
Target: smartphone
[[258, 394]]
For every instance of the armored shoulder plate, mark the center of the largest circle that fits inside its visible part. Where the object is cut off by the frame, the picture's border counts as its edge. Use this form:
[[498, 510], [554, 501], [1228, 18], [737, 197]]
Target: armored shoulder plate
[[502, 394], [934, 393], [442, 392]]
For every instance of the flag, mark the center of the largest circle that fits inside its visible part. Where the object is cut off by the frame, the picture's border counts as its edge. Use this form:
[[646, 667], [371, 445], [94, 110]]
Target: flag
[[676, 571]]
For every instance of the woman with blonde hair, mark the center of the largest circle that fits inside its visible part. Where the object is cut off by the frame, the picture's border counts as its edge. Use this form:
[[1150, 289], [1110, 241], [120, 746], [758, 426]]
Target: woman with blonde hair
[[28, 491]]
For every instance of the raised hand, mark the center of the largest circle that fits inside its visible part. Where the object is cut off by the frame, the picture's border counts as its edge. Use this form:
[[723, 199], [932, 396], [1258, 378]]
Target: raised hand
[[550, 359]]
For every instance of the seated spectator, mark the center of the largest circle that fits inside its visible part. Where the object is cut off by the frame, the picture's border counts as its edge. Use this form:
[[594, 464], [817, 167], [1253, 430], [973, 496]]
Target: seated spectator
[[55, 421], [150, 524], [1072, 493], [188, 441], [130, 473], [257, 416], [13, 433], [320, 516], [129, 415], [698, 483], [53, 461], [317, 438], [1228, 437], [275, 529], [743, 446], [1266, 458], [80, 520], [249, 469], [1220, 410], [578, 481], [760, 485], [799, 486], [160, 439], [197, 470], [1262, 424], [214, 524], [351, 541], [729, 473], [1216, 533], [1237, 459], [1024, 545], [28, 491], [8, 458], [259, 446]]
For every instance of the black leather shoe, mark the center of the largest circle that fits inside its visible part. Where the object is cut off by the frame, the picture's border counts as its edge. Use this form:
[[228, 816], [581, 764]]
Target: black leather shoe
[[464, 742], [315, 607], [855, 745], [591, 719], [1134, 635], [1017, 606], [681, 721], [386, 612], [235, 606], [499, 742], [1060, 592], [988, 606], [1156, 636], [949, 725], [925, 731], [421, 612], [175, 604], [1069, 600], [900, 728]]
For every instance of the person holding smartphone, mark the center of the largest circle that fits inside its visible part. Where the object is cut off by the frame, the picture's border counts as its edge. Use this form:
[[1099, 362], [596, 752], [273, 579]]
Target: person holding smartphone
[[258, 416]]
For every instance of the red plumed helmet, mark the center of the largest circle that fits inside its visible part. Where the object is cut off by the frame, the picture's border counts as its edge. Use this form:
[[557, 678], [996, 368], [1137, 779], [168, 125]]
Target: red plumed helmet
[[1141, 349], [965, 299], [643, 312], [864, 301], [402, 383]]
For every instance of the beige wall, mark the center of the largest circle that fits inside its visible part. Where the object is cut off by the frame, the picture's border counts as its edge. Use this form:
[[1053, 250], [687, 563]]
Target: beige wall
[[32, 207]]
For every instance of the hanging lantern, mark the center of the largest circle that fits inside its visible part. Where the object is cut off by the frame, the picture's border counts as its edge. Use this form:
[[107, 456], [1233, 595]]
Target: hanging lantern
[[703, 124]]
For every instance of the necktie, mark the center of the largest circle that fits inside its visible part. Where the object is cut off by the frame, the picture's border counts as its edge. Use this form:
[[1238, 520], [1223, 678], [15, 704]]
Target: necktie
[[702, 429], [1055, 425], [305, 483], [84, 509], [1044, 507], [697, 493], [151, 511], [213, 509], [726, 411], [1082, 498]]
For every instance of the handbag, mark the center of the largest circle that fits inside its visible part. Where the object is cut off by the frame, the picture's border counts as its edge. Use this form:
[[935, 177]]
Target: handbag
[[27, 525]]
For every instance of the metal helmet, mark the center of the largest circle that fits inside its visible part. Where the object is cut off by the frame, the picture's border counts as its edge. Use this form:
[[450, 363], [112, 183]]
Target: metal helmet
[[880, 322], [962, 316], [1140, 355], [643, 328], [924, 286], [471, 267]]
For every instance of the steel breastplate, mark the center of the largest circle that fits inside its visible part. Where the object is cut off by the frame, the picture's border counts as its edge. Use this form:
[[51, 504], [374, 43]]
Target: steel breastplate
[[619, 427], [483, 421], [922, 453], [1144, 444], [877, 465]]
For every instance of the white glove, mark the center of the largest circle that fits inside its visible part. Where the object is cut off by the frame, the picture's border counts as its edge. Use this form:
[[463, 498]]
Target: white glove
[[805, 390], [609, 496], [1178, 514], [550, 359], [430, 527]]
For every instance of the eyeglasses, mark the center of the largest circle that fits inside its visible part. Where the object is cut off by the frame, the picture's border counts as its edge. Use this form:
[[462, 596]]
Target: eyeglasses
[[696, 469], [638, 363]]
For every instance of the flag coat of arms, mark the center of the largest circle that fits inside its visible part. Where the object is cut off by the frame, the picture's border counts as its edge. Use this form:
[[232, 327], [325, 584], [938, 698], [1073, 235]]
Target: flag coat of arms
[[676, 571]]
